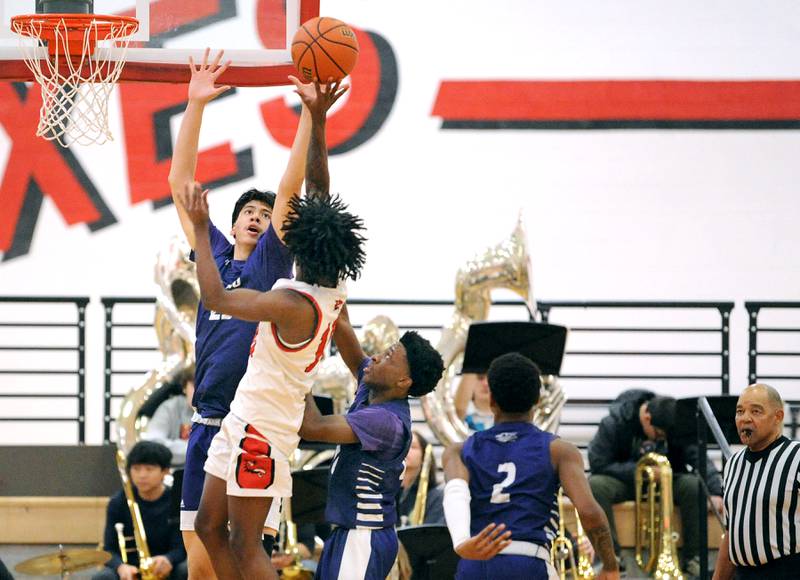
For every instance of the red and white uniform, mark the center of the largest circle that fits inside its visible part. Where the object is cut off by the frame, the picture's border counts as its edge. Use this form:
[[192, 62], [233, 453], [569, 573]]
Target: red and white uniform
[[261, 430]]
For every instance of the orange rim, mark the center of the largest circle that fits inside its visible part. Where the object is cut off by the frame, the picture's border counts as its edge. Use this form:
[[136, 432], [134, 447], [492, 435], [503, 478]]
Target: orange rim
[[44, 26]]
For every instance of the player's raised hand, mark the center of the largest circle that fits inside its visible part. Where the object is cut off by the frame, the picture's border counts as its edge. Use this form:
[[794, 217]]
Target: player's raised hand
[[319, 98], [489, 542], [202, 86], [194, 200]]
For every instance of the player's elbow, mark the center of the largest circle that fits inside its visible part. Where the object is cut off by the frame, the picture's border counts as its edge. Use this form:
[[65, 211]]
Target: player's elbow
[[175, 181], [178, 180], [215, 300]]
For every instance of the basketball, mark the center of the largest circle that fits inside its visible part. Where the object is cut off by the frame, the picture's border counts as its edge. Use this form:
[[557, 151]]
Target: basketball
[[324, 48]]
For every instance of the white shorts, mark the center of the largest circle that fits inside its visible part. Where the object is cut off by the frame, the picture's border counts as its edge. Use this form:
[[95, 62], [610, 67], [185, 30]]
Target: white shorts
[[273, 520], [248, 463]]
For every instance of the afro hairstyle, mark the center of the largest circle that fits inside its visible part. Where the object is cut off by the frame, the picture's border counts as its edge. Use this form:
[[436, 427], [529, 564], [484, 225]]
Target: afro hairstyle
[[324, 239]]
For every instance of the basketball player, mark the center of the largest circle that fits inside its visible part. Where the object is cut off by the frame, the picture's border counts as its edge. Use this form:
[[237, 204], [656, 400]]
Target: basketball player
[[374, 438], [247, 460], [511, 473], [256, 260]]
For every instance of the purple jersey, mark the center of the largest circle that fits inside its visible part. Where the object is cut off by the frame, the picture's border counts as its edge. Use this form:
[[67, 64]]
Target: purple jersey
[[223, 342], [512, 481], [365, 476]]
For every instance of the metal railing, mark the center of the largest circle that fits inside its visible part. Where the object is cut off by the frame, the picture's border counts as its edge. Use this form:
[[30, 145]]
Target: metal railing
[[45, 332], [111, 347], [707, 423], [648, 336], [113, 369], [419, 314], [772, 345]]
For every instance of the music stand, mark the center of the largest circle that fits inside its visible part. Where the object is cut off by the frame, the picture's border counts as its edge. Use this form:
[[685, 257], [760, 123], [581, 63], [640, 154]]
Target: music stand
[[691, 427], [540, 342], [684, 430], [430, 551], [309, 495]]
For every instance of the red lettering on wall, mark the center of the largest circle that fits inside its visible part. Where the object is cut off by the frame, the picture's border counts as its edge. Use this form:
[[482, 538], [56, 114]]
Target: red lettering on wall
[[32, 158], [147, 109]]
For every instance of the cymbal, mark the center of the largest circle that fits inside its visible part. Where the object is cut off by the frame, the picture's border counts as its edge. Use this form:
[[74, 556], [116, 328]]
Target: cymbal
[[63, 561]]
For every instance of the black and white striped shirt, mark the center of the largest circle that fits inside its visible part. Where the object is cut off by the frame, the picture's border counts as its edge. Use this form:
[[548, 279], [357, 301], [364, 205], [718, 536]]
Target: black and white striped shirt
[[761, 503]]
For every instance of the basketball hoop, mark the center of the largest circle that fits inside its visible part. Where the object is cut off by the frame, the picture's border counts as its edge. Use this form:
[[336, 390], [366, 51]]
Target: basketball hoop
[[76, 83]]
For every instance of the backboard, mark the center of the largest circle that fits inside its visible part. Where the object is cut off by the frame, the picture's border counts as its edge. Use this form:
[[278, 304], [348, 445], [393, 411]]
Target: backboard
[[255, 34]]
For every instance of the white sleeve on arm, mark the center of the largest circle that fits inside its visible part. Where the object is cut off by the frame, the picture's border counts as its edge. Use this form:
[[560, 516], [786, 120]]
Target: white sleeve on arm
[[456, 510]]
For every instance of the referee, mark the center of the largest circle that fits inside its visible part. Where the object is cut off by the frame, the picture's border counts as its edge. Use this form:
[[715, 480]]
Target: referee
[[761, 494]]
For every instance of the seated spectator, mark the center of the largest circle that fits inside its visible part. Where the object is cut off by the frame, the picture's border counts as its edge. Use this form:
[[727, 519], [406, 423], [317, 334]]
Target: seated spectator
[[640, 422], [472, 401], [172, 420], [147, 465], [434, 512]]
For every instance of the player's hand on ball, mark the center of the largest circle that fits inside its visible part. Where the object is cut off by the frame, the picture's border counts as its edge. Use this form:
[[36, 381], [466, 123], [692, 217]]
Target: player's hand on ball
[[202, 86], [319, 98], [486, 545], [194, 200]]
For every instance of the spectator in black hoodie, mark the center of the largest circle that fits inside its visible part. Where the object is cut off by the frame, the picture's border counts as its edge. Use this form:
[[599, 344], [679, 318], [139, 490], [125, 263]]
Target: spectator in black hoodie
[[148, 464], [640, 422]]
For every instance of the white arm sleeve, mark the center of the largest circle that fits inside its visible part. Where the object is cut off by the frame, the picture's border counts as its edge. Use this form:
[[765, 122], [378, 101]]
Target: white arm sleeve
[[456, 510]]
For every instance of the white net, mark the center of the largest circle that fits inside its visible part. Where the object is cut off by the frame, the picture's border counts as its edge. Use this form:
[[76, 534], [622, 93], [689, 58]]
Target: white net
[[76, 85]]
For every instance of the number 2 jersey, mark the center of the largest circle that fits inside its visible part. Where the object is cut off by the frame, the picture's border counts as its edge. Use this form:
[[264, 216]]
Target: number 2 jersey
[[512, 481], [271, 394]]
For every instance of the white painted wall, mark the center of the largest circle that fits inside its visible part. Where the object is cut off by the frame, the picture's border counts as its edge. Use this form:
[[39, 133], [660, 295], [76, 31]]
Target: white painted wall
[[645, 214]]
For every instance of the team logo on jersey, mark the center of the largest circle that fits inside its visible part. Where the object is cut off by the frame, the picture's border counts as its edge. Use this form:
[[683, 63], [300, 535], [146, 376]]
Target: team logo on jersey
[[506, 437], [255, 468], [338, 304], [235, 284]]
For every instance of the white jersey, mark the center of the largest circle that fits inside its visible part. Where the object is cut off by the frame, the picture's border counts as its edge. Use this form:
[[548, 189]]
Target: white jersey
[[271, 394]]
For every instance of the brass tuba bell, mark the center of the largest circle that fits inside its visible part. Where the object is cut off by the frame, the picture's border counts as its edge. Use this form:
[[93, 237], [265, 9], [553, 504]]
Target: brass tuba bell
[[506, 265]]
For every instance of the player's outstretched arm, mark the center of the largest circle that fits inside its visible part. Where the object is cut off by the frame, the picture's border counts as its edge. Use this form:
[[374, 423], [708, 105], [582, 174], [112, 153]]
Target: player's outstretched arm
[[318, 102], [492, 539], [347, 342], [283, 307], [326, 428], [292, 180], [569, 464], [202, 89]]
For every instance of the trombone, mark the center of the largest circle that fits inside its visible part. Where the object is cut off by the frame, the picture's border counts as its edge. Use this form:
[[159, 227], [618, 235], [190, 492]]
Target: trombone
[[146, 571], [562, 549]]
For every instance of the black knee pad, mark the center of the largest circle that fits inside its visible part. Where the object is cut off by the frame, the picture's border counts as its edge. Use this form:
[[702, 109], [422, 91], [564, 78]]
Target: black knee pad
[[268, 542]]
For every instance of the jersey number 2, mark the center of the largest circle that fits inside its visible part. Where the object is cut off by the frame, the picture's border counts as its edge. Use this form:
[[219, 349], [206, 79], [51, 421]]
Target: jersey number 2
[[498, 495]]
